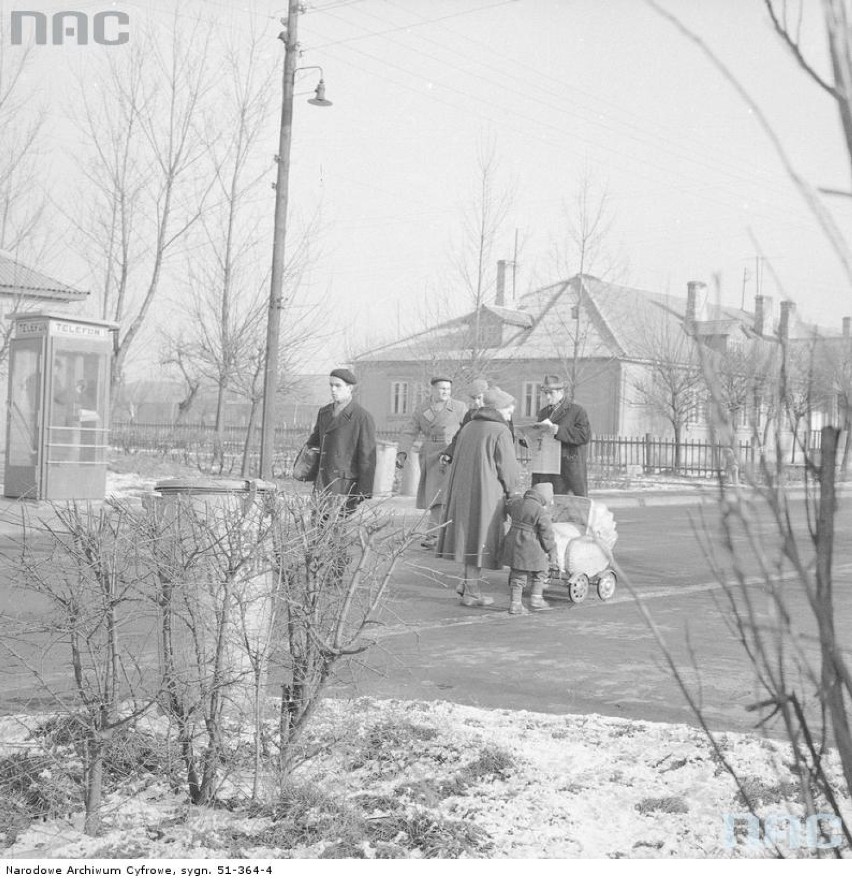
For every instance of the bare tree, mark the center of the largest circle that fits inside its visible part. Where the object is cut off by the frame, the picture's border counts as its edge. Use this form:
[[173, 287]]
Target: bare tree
[[583, 251], [22, 199], [175, 354], [224, 301], [671, 383], [475, 258], [143, 193]]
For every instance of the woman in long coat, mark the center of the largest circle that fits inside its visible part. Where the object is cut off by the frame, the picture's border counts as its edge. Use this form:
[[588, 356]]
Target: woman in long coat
[[484, 473]]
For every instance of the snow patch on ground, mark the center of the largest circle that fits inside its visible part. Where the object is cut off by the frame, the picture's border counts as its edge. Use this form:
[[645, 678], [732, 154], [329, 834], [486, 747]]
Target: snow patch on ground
[[491, 783]]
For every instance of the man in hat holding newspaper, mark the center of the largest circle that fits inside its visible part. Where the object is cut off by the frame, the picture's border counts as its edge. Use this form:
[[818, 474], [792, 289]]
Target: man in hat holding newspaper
[[569, 425]]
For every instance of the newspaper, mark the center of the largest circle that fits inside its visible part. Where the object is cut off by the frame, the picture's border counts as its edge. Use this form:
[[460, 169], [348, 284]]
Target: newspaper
[[545, 452]]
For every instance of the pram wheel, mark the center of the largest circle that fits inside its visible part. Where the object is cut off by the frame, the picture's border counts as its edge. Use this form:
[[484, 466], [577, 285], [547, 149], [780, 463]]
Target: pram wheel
[[606, 584], [578, 587]]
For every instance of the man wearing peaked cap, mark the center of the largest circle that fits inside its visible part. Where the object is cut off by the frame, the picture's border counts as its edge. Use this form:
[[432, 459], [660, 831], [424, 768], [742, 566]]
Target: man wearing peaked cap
[[437, 419], [345, 435], [474, 392], [569, 424]]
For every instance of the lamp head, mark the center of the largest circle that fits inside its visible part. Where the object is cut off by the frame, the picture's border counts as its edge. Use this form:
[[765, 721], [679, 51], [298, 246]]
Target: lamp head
[[320, 99]]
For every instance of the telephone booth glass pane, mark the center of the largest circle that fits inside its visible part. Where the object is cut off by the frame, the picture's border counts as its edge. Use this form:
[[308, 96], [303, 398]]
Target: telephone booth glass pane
[[25, 401], [75, 405]]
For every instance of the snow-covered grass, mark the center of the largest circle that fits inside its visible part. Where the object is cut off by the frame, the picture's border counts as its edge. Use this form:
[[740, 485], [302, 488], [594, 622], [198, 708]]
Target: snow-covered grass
[[395, 779]]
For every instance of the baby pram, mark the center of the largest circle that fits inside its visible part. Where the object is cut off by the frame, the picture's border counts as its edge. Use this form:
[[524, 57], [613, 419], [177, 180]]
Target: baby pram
[[585, 535]]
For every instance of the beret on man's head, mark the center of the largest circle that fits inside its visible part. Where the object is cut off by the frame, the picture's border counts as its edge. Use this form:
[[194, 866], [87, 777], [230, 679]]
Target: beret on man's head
[[346, 375], [497, 398], [436, 379], [477, 387]]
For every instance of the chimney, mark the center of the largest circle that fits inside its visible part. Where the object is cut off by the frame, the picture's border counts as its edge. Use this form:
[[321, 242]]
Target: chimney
[[847, 325], [500, 298], [759, 315], [787, 309], [694, 303]]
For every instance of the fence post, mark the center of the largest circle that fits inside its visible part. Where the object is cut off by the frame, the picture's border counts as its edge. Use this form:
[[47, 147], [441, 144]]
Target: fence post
[[648, 454]]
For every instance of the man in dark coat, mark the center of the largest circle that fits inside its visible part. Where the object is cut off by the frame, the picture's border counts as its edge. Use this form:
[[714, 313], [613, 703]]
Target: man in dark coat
[[570, 426], [345, 435], [529, 548]]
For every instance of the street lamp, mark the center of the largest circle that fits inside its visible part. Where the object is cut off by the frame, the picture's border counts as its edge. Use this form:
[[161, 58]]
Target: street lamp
[[282, 192]]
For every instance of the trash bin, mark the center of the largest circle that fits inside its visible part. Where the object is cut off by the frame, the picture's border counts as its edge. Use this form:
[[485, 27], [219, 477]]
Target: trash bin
[[410, 479], [213, 547], [385, 468]]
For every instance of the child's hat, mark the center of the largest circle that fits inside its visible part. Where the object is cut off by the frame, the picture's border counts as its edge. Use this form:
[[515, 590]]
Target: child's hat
[[545, 490]]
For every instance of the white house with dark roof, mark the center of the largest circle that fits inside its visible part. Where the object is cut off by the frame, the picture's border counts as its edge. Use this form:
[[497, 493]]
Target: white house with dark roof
[[604, 335], [21, 285]]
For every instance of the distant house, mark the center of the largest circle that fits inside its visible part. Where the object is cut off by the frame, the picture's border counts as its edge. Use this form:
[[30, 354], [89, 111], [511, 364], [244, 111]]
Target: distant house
[[23, 288], [157, 401], [605, 339]]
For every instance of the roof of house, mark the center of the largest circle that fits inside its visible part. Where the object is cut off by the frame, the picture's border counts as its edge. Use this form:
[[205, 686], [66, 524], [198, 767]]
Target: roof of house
[[617, 322], [21, 281]]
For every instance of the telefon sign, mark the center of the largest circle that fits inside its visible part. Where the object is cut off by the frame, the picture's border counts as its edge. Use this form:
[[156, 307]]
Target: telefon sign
[[108, 28]]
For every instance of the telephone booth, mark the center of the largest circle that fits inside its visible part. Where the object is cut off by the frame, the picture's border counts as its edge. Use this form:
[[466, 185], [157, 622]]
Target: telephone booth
[[57, 425]]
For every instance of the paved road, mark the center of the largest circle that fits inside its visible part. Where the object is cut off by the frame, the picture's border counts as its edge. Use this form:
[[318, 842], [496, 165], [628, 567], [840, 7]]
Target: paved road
[[592, 657]]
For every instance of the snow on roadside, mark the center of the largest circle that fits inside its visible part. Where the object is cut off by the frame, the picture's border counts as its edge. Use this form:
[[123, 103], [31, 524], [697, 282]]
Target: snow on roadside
[[573, 786]]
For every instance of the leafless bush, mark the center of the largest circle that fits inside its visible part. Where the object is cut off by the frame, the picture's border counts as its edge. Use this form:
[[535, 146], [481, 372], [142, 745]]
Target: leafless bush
[[181, 608], [89, 568], [335, 569]]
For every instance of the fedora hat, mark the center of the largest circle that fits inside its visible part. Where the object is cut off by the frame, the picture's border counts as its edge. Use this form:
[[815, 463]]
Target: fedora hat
[[552, 383]]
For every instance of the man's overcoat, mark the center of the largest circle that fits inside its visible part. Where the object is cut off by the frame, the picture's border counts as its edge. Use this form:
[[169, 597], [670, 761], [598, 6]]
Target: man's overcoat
[[347, 445], [573, 432], [483, 474], [438, 427]]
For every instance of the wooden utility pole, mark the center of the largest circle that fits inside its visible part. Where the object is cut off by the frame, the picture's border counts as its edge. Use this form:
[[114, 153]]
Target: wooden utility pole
[[276, 295]]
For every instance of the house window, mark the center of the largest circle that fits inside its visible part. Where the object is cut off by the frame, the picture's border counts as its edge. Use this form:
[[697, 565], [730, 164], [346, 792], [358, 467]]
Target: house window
[[531, 399], [400, 398]]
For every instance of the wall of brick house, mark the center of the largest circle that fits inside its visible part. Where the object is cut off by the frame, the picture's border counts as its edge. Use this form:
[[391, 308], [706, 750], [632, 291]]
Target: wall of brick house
[[599, 391]]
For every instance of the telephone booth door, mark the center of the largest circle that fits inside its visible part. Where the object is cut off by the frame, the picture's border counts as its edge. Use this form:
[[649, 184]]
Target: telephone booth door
[[23, 419]]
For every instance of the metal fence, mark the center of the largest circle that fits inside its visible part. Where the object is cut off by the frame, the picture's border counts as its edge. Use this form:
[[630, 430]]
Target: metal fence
[[659, 455], [611, 459]]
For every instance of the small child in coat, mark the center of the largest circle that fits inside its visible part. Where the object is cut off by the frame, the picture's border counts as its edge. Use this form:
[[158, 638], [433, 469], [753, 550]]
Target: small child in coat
[[529, 549]]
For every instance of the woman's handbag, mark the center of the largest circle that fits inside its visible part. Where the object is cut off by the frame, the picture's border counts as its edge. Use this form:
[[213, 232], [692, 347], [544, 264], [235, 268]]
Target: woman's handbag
[[306, 465]]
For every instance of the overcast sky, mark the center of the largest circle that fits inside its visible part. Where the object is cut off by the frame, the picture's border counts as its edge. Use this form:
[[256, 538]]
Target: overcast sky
[[565, 90]]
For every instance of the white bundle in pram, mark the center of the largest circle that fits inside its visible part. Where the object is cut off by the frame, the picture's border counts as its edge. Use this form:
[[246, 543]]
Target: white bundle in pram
[[585, 534]]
